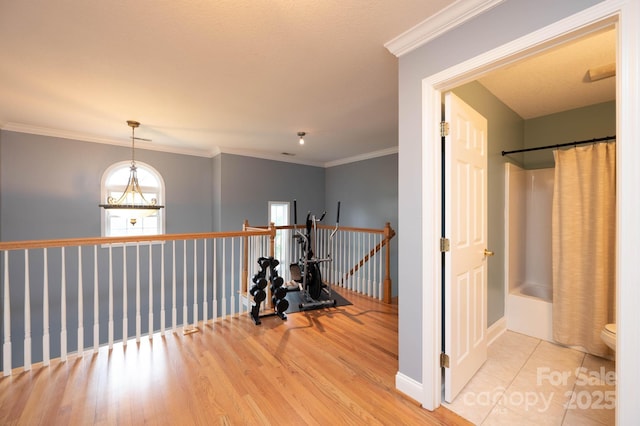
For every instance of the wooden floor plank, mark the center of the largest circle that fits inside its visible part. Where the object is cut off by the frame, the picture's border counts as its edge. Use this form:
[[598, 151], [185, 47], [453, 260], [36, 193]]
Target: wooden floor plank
[[329, 366]]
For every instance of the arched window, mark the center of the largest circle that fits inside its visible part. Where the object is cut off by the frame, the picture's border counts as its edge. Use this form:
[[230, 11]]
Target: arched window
[[114, 182]]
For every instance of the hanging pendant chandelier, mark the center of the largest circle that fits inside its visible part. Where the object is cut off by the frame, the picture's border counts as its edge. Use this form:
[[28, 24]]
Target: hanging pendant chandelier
[[132, 204]]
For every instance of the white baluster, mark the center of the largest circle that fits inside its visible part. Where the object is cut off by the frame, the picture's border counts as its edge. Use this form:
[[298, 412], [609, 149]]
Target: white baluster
[[336, 257], [325, 244], [369, 289], [195, 283], [345, 240], [353, 278], [185, 313], [232, 297], [205, 303], [125, 315], [374, 260], [358, 258], [46, 339], [363, 282], [27, 314], [96, 302], [321, 252], [350, 261], [356, 254], [380, 271], [240, 259], [138, 314], [150, 330], [6, 345], [345, 251], [224, 281], [214, 259], [63, 308], [162, 301], [80, 305], [351, 257], [330, 265], [174, 309], [110, 324], [361, 269]]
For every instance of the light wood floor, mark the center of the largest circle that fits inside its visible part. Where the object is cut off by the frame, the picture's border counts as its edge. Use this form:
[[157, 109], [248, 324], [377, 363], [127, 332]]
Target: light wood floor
[[328, 367]]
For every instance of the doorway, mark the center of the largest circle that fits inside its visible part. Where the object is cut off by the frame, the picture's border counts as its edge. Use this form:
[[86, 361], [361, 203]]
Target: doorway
[[278, 214], [581, 24]]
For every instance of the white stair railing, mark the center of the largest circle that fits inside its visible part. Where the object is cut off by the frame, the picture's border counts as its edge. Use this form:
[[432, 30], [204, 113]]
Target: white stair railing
[[200, 278]]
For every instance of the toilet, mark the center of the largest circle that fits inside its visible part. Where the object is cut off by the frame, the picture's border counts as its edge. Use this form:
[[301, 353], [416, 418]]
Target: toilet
[[608, 335]]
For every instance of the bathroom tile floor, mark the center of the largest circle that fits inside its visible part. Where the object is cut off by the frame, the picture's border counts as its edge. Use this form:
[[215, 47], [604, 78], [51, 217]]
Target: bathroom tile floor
[[526, 380]]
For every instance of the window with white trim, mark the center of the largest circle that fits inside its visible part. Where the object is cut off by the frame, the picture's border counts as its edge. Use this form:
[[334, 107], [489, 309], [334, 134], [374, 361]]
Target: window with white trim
[[114, 222], [279, 215]]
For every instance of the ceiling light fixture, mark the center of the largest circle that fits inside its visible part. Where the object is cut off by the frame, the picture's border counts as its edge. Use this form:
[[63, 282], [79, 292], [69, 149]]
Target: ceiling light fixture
[[301, 136], [132, 202]]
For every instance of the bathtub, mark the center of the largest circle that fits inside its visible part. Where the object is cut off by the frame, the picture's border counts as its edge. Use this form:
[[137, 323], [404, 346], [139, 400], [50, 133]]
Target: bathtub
[[529, 310], [538, 291], [528, 272]]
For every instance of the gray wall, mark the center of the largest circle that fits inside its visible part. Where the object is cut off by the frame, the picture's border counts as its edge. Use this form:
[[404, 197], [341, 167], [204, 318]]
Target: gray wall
[[216, 167], [368, 193], [590, 122], [248, 184], [50, 187], [505, 22]]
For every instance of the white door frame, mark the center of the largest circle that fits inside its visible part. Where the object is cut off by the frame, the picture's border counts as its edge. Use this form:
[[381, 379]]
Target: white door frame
[[626, 13]]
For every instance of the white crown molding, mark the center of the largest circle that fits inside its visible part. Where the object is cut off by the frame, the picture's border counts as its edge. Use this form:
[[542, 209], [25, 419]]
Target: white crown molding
[[64, 134], [443, 21], [268, 156], [362, 157]]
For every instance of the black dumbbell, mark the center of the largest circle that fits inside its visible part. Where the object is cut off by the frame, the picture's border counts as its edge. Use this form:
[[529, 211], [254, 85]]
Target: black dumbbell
[[259, 295], [260, 281]]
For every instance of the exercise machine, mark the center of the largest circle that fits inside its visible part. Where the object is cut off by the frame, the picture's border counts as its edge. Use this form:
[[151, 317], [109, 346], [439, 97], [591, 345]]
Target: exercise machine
[[305, 272]]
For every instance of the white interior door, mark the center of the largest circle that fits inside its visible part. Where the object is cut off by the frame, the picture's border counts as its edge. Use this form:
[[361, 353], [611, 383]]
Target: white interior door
[[465, 271]]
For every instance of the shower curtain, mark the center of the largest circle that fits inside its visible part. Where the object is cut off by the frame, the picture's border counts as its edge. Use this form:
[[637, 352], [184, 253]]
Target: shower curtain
[[584, 245]]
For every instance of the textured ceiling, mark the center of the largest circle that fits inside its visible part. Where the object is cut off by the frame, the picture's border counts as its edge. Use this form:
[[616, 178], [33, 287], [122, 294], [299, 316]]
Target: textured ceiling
[[206, 75], [557, 80], [233, 75]]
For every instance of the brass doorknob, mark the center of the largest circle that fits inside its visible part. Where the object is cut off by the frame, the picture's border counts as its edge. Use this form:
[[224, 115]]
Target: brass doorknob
[[488, 252]]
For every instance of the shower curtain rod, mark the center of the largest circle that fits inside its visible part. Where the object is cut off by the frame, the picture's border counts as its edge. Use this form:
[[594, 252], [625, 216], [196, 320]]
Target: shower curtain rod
[[607, 138]]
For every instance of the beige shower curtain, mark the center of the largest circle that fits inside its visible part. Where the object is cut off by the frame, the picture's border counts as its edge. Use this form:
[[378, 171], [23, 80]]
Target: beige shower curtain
[[584, 245]]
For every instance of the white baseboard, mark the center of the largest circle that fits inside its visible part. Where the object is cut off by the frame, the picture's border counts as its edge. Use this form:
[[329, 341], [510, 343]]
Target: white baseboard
[[496, 329], [409, 387]]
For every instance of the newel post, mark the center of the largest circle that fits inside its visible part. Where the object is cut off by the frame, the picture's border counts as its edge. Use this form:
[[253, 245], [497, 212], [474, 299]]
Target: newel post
[[387, 262], [245, 258]]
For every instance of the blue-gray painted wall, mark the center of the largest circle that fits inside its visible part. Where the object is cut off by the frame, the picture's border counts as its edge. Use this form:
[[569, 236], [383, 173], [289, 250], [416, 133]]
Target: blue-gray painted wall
[[50, 187], [368, 193], [248, 184], [503, 23], [594, 121]]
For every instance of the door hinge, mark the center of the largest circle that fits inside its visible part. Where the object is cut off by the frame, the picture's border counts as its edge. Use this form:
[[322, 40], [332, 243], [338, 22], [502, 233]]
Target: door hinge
[[444, 129], [444, 360], [444, 245]]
